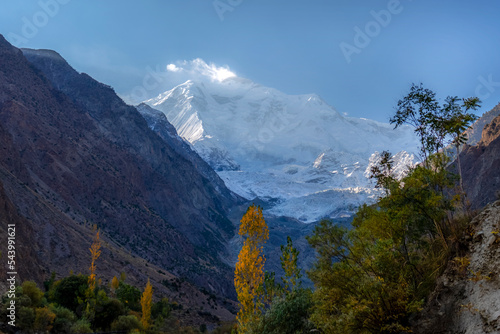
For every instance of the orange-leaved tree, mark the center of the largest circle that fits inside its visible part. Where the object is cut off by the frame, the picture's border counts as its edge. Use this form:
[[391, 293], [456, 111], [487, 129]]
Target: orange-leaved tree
[[249, 273], [115, 284], [95, 251], [146, 302]]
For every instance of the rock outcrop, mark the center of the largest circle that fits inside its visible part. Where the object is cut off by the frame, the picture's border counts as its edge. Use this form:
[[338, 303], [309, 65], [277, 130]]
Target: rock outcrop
[[467, 296], [475, 132], [481, 166]]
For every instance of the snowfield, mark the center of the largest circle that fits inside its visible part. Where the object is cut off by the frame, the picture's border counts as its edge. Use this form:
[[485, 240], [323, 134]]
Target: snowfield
[[295, 151]]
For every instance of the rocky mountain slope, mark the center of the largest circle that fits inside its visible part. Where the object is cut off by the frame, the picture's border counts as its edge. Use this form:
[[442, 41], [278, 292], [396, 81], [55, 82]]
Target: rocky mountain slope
[[73, 155], [467, 296], [475, 132], [158, 122], [296, 152], [481, 166]]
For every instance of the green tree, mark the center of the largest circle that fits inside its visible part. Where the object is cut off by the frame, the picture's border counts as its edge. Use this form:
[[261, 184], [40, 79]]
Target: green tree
[[371, 278], [44, 318], [26, 318], [288, 314], [458, 122], [31, 290], [382, 172], [434, 123], [270, 289], [286, 308], [69, 291], [420, 109], [161, 309], [129, 295], [64, 319], [361, 285], [81, 326], [108, 312], [126, 323], [289, 257]]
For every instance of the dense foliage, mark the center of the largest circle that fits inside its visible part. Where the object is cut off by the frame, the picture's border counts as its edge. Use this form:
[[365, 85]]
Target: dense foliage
[[267, 306], [371, 278], [81, 304]]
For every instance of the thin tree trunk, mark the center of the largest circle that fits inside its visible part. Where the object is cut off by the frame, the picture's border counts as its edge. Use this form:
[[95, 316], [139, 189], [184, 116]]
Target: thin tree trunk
[[465, 201], [460, 170]]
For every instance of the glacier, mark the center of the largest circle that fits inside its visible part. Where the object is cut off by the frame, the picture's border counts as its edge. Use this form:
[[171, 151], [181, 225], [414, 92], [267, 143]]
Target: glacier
[[296, 152]]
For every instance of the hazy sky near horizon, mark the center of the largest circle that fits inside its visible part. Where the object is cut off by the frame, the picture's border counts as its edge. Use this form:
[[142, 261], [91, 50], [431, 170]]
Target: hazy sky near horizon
[[359, 56]]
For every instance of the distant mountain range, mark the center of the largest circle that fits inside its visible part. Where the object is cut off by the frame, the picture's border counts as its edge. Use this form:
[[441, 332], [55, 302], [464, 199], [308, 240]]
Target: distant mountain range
[[295, 152]]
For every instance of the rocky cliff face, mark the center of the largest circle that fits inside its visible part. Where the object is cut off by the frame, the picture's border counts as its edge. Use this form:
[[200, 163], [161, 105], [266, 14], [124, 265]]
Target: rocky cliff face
[[73, 154], [475, 132], [24, 233], [490, 132], [481, 166], [467, 297], [158, 122]]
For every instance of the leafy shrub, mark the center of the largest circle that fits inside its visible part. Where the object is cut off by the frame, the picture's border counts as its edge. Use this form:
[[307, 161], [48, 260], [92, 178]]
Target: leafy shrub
[[161, 309], [289, 314], [70, 291], [31, 290], [81, 326], [25, 318], [126, 323], [44, 318], [129, 295], [64, 319], [109, 312], [373, 277]]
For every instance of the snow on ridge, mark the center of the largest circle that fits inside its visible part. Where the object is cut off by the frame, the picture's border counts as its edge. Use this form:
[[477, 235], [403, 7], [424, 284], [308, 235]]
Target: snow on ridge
[[294, 148]]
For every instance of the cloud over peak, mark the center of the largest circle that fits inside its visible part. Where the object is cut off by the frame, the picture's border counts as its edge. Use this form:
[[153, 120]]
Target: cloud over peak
[[161, 78], [198, 69]]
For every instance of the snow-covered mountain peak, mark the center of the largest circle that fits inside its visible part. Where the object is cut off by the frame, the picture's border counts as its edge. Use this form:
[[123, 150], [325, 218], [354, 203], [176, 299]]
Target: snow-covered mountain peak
[[266, 143]]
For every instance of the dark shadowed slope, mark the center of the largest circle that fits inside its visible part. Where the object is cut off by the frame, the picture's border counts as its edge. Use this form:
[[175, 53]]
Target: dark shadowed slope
[[86, 157], [481, 166]]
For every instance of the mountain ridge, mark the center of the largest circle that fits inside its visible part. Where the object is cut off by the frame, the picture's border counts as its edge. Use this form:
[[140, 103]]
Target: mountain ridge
[[76, 155], [267, 144]]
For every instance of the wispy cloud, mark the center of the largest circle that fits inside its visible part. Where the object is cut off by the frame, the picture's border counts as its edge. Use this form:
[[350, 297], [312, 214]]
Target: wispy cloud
[[158, 79], [199, 69]]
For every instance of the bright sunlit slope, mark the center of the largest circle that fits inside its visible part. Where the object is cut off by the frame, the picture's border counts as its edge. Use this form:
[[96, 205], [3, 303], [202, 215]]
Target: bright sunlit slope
[[295, 150]]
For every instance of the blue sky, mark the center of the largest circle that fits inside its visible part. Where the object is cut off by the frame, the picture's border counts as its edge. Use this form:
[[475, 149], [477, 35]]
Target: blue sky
[[360, 56]]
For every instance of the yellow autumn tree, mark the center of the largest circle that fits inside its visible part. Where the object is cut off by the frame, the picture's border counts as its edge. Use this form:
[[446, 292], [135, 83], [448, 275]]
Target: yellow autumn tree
[[249, 271], [95, 251], [146, 302], [115, 284]]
